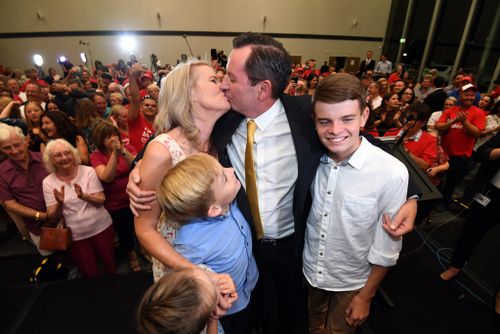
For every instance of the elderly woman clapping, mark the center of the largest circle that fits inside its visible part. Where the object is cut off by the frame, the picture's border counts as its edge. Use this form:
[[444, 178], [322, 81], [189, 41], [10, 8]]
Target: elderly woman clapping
[[74, 192]]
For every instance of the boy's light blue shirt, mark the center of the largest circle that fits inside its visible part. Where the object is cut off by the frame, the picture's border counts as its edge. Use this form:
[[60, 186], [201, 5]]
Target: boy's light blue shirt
[[224, 244]]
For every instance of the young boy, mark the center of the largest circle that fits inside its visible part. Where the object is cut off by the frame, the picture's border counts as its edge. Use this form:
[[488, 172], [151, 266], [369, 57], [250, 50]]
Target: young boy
[[199, 193], [347, 252]]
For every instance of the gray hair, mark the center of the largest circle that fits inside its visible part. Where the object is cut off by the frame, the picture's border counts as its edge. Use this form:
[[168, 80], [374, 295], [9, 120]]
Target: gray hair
[[47, 154], [6, 131]]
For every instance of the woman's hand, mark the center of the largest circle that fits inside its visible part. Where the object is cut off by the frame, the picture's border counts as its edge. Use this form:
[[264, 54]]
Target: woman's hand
[[431, 172], [59, 195], [117, 146], [79, 191], [113, 121]]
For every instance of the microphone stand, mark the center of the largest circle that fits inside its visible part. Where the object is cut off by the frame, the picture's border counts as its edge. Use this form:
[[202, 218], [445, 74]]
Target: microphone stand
[[404, 133], [189, 46]]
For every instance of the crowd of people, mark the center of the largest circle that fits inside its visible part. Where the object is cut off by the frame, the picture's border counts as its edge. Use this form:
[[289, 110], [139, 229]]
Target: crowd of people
[[304, 212]]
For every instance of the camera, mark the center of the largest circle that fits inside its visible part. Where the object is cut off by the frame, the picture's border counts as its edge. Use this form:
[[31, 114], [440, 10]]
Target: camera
[[65, 63]]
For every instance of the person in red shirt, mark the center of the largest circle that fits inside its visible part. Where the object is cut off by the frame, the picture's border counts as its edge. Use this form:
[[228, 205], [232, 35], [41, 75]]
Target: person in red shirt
[[134, 128], [459, 127], [33, 78], [420, 145]]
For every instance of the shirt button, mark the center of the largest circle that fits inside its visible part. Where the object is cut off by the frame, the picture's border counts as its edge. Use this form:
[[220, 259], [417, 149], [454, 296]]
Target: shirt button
[[326, 214], [319, 272], [322, 235], [321, 253], [329, 192], [335, 167]]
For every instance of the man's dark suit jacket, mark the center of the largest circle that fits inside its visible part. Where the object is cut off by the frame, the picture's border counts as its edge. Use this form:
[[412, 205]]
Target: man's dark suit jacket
[[435, 100], [363, 67], [308, 150]]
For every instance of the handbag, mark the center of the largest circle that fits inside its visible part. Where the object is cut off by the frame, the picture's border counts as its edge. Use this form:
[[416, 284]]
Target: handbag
[[55, 238]]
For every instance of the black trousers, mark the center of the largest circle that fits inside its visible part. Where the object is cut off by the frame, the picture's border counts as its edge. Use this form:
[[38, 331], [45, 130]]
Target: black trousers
[[236, 323], [459, 167], [279, 301], [123, 222], [479, 221]]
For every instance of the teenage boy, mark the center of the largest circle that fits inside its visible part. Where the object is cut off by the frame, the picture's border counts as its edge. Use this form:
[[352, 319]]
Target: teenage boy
[[199, 194], [347, 251]]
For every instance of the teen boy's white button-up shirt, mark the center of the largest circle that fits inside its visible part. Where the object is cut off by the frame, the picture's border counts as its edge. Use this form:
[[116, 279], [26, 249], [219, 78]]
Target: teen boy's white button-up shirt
[[344, 233]]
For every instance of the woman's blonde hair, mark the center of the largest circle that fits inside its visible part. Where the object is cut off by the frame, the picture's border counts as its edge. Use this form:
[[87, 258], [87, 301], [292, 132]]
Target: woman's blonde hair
[[117, 95], [175, 101], [116, 109], [178, 303], [47, 154], [28, 121], [186, 190]]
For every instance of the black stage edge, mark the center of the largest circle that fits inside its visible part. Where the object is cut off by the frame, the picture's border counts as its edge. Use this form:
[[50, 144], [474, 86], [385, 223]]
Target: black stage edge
[[101, 305]]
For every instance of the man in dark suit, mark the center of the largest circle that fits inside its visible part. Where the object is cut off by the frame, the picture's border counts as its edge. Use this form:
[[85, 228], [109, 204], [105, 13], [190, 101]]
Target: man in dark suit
[[435, 100], [286, 153], [366, 65]]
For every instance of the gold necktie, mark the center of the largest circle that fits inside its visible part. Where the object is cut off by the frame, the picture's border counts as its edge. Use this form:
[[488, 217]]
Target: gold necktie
[[251, 182]]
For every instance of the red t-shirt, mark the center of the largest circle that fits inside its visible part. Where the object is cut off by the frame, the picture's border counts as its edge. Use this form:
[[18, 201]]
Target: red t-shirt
[[425, 148], [139, 132], [456, 141], [116, 196]]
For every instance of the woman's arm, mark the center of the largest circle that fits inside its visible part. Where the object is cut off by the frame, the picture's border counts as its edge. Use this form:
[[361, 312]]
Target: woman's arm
[[157, 161], [6, 111], [128, 156], [81, 146], [107, 173]]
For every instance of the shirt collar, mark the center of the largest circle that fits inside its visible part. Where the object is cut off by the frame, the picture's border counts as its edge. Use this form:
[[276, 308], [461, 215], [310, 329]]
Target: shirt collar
[[267, 117], [416, 136], [36, 157], [32, 156], [356, 160], [211, 220]]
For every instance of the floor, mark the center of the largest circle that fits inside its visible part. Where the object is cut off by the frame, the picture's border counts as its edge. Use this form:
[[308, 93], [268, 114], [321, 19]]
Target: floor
[[415, 299]]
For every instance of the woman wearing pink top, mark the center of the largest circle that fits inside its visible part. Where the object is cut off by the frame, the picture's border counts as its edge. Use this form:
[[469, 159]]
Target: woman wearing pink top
[[73, 192]]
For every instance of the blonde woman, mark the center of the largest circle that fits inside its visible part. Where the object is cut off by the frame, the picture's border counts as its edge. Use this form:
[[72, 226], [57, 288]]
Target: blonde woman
[[190, 103]]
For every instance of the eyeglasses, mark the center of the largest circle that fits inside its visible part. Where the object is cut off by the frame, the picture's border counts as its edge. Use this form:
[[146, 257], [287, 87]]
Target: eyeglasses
[[61, 154]]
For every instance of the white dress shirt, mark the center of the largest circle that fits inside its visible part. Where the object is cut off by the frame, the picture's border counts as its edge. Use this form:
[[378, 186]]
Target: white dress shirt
[[384, 67], [276, 168], [344, 233]]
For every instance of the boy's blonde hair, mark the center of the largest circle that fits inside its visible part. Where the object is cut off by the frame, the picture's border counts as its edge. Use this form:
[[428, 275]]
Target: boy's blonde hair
[[186, 190], [178, 303]]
